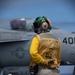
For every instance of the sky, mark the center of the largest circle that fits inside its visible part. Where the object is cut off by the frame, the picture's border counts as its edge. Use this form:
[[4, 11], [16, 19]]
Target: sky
[[60, 12]]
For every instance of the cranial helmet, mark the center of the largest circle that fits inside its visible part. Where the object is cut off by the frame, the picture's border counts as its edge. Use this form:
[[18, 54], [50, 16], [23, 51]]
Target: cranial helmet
[[40, 25]]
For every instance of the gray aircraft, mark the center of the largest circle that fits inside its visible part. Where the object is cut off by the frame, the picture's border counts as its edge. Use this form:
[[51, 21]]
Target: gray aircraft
[[14, 48]]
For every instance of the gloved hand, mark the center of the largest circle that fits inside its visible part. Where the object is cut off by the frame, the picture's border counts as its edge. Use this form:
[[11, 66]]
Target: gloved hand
[[48, 61]]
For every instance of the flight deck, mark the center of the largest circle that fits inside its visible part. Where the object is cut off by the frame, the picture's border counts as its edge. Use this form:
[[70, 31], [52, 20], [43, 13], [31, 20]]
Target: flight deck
[[24, 70]]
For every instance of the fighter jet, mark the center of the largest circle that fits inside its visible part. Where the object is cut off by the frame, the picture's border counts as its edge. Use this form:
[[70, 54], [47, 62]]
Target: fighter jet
[[15, 43]]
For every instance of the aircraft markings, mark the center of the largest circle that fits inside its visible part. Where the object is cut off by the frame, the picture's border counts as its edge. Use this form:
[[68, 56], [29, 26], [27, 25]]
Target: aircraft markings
[[69, 40], [19, 53]]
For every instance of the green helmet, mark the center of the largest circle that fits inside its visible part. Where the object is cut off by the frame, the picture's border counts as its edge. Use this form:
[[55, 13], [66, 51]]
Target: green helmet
[[38, 22]]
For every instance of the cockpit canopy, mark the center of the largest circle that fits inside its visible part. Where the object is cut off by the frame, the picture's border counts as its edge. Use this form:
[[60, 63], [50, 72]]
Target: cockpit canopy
[[22, 24]]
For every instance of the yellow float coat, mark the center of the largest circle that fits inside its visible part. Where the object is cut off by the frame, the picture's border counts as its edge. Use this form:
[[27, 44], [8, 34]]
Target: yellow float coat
[[44, 48]]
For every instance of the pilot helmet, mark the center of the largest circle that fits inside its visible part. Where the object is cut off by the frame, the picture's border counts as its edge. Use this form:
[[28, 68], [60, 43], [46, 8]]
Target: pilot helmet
[[42, 23]]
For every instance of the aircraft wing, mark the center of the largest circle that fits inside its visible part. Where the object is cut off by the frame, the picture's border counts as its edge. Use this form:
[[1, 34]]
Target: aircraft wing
[[11, 36]]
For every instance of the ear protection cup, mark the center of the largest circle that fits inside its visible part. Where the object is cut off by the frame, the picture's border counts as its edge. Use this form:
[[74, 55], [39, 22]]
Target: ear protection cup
[[44, 26], [49, 22]]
